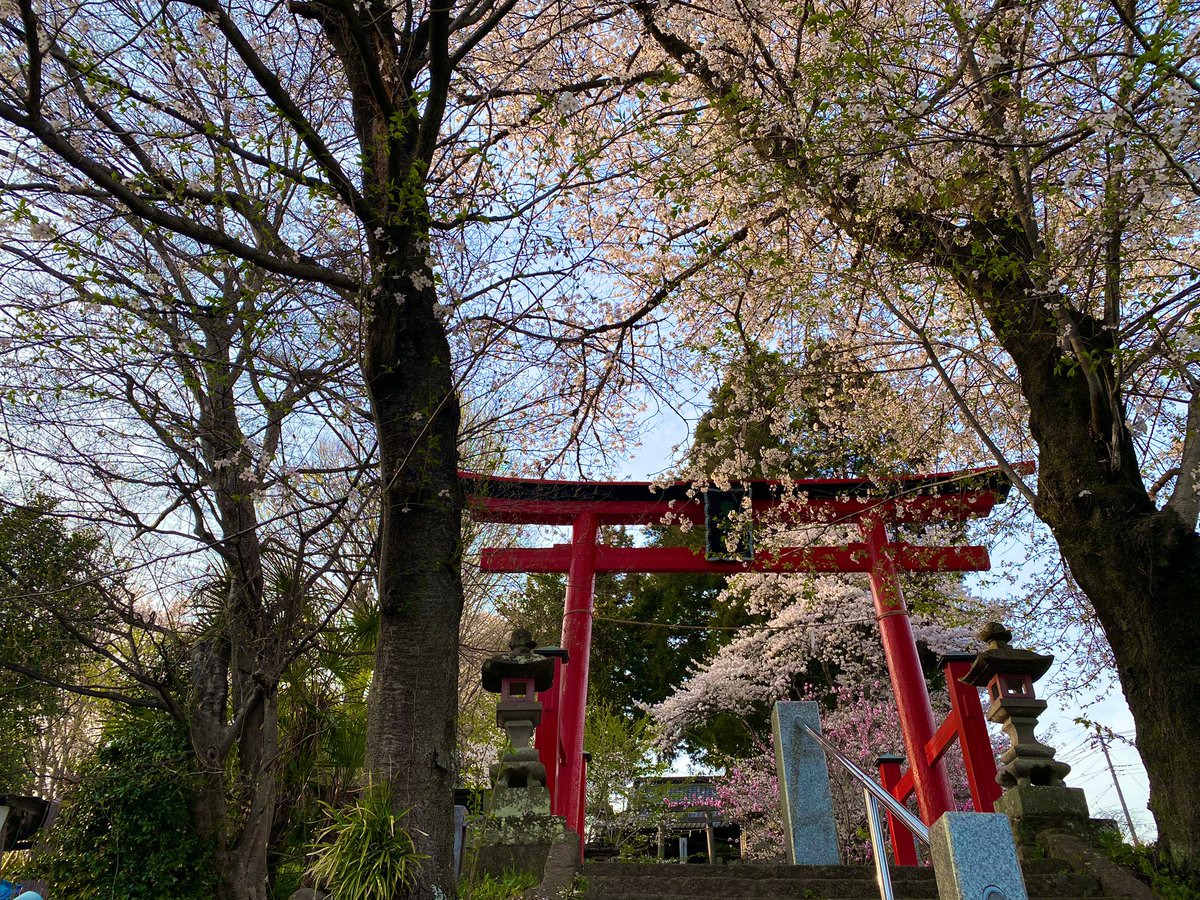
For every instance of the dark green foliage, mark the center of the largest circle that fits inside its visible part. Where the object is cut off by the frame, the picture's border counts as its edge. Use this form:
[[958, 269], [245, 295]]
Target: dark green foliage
[[1150, 866], [631, 662], [124, 832], [366, 852], [47, 575], [323, 724], [780, 415], [508, 886]]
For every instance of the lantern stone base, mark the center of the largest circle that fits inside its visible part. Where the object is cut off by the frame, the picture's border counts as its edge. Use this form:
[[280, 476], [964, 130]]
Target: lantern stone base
[[1033, 809], [519, 803], [508, 840]]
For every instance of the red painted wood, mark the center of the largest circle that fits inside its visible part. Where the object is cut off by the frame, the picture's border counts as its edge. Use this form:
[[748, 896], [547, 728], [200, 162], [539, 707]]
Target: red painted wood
[[853, 557], [904, 843], [942, 739], [546, 734], [582, 800], [932, 787], [576, 639], [973, 737], [914, 498], [554, 512]]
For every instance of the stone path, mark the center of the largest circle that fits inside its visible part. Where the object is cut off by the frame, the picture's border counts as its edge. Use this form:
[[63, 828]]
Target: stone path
[[1046, 879]]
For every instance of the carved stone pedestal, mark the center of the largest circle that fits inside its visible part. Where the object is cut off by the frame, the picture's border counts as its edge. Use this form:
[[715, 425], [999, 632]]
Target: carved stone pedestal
[[515, 843], [1034, 809]]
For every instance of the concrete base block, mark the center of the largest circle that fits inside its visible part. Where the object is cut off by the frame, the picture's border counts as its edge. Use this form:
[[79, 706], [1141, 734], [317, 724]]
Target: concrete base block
[[974, 858], [807, 804], [1033, 809], [496, 845]]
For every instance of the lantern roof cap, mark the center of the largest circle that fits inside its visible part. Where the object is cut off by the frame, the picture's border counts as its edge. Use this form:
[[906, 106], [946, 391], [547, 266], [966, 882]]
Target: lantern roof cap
[[519, 662], [1000, 658]]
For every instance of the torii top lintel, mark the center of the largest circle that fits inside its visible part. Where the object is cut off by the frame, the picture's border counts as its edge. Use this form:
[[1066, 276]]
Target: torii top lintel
[[945, 496]]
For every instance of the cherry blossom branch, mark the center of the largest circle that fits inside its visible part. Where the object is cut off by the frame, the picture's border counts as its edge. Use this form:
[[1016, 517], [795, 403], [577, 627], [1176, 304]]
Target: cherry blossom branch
[[960, 401]]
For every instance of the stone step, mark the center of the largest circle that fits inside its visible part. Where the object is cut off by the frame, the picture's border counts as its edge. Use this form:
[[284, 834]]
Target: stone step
[[1048, 879], [759, 889], [670, 869], [794, 889], [872, 895]]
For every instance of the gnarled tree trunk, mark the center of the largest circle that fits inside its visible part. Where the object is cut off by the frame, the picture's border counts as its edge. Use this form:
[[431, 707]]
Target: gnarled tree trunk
[[1138, 564]]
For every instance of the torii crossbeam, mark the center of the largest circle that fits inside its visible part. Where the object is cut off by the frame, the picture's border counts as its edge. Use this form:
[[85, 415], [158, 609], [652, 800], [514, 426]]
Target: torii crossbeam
[[871, 505]]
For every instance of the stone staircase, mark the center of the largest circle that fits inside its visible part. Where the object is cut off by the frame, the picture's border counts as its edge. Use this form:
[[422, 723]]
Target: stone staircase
[[1046, 879]]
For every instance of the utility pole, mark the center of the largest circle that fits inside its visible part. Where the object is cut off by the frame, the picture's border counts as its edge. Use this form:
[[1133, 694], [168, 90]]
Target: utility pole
[[1103, 739]]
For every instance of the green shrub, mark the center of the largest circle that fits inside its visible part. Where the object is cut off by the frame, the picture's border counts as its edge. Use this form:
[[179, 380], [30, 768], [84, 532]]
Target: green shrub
[[365, 853], [1151, 868], [125, 829], [508, 886]]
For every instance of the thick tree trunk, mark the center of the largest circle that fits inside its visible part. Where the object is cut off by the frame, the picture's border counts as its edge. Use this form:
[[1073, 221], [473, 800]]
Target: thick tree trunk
[[1138, 565], [413, 700], [398, 102], [246, 870], [240, 831], [1141, 575]]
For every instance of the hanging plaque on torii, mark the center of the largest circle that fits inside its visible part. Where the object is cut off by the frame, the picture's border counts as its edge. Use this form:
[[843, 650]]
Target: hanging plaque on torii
[[870, 505]]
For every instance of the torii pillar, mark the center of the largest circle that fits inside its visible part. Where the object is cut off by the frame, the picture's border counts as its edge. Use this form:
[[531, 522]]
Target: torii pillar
[[569, 797]]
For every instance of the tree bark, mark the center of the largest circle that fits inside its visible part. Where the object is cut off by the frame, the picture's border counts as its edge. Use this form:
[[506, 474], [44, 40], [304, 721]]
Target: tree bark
[[1139, 565], [398, 101], [414, 691], [236, 710]]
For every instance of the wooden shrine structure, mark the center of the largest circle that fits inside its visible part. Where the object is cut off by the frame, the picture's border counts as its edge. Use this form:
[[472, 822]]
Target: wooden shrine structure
[[870, 506]]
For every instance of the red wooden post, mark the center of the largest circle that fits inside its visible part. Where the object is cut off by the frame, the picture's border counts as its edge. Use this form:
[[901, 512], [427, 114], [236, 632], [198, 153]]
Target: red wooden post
[[546, 733], [583, 763], [577, 640], [904, 667], [972, 733], [904, 844]]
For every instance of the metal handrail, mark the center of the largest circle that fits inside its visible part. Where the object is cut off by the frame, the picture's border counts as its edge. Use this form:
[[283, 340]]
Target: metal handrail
[[873, 795], [880, 793]]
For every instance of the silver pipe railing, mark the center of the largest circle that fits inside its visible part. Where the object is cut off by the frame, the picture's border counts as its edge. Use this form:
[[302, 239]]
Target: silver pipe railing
[[878, 791], [874, 794], [875, 826]]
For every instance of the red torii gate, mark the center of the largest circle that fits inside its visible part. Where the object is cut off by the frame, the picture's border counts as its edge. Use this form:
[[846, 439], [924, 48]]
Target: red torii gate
[[871, 505]]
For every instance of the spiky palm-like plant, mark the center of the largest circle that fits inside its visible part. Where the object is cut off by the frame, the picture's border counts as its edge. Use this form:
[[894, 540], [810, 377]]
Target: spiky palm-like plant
[[365, 853]]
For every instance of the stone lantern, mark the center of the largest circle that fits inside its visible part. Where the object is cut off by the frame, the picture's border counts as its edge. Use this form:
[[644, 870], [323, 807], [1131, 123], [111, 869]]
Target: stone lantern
[[1009, 674], [516, 832], [518, 676], [1035, 798]]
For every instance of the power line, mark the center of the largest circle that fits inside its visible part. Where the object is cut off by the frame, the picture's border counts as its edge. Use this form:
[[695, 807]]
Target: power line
[[761, 627]]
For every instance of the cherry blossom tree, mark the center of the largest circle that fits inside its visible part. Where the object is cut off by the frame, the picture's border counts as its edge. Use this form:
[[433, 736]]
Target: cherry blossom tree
[[814, 635], [995, 204], [345, 158]]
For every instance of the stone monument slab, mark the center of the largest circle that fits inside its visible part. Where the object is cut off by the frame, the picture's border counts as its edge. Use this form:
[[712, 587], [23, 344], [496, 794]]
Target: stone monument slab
[[975, 858], [807, 804]]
